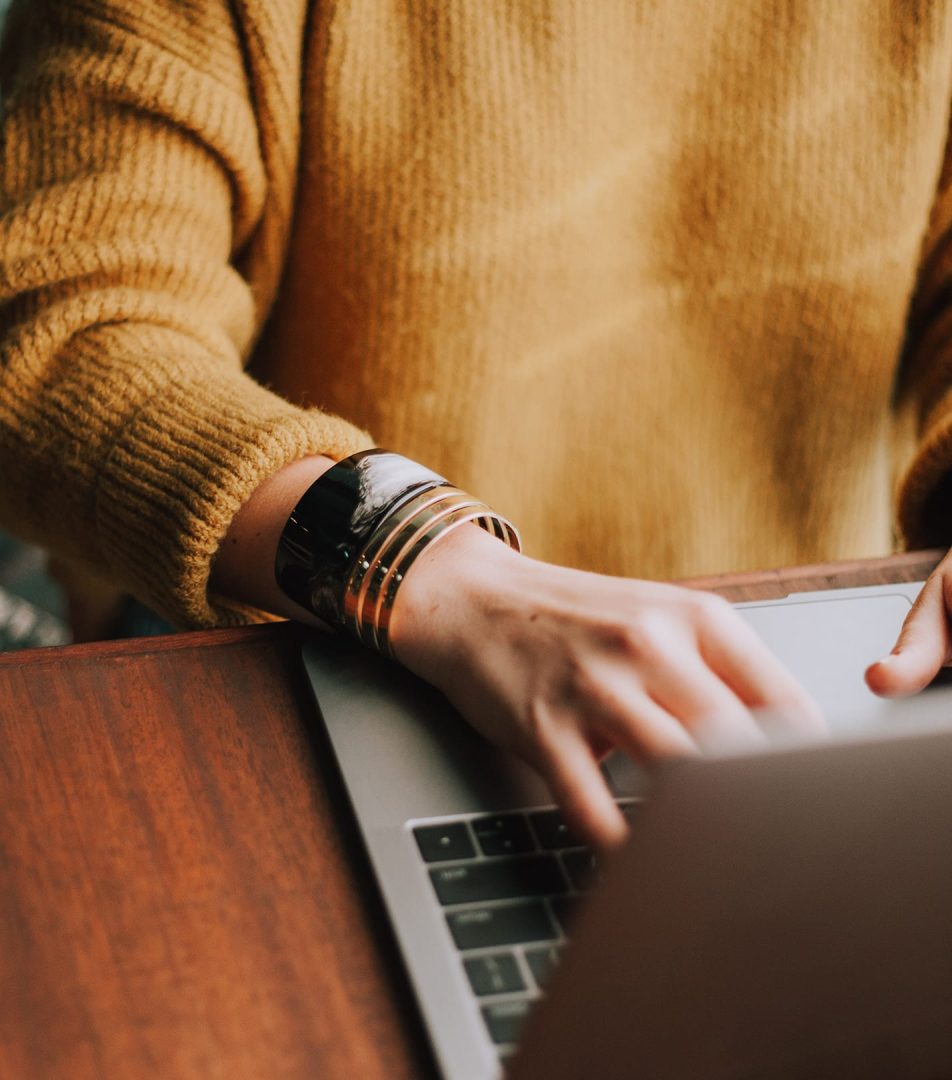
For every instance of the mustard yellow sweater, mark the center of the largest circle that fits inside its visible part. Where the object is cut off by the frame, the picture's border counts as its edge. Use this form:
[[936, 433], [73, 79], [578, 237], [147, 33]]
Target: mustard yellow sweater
[[637, 272]]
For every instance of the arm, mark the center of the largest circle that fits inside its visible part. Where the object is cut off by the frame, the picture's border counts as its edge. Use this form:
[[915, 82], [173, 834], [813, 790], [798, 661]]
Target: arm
[[557, 665], [139, 245]]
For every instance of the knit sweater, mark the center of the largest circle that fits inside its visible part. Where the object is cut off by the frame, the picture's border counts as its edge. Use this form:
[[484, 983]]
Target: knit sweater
[[666, 283]]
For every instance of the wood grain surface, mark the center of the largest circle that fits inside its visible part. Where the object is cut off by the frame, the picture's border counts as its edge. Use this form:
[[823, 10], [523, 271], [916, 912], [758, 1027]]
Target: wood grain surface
[[182, 892], [179, 895]]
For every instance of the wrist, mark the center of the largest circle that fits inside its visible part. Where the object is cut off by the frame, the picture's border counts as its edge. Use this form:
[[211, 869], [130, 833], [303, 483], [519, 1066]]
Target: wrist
[[355, 533], [454, 586]]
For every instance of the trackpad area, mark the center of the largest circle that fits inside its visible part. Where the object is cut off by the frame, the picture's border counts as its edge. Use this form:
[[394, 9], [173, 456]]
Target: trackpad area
[[827, 644]]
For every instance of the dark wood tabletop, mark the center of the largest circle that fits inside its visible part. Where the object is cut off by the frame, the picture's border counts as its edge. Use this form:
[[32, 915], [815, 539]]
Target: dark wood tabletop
[[182, 892]]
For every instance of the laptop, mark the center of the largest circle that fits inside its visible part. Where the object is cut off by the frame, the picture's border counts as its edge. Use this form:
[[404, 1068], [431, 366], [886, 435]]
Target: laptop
[[784, 915], [481, 877]]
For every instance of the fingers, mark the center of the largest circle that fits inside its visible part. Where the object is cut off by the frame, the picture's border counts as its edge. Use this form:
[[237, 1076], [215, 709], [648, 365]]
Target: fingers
[[695, 688], [738, 654], [617, 710], [923, 645], [702, 669], [699, 707], [579, 787], [644, 730], [713, 714]]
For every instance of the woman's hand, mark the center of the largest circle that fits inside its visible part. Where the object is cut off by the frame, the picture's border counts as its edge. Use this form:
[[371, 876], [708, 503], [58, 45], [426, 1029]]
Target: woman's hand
[[557, 665], [924, 643], [561, 666]]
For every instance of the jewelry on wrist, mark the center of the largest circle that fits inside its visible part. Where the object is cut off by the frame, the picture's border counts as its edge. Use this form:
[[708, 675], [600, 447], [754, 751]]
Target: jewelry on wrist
[[357, 530]]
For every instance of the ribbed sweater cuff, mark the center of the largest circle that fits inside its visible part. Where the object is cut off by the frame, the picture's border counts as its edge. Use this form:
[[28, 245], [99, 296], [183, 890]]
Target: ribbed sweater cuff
[[181, 468]]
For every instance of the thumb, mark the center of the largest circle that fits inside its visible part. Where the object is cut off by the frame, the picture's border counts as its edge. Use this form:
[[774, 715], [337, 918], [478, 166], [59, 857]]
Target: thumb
[[922, 648]]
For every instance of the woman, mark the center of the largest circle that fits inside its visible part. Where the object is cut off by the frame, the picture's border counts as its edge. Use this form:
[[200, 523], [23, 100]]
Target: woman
[[637, 274]]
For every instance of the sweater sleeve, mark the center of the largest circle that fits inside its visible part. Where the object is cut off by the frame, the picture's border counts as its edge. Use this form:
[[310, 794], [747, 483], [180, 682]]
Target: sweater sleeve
[[924, 387], [133, 185]]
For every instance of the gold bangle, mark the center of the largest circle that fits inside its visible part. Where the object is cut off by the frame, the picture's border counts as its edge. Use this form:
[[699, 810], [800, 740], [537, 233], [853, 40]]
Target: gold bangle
[[372, 562], [412, 542], [380, 568]]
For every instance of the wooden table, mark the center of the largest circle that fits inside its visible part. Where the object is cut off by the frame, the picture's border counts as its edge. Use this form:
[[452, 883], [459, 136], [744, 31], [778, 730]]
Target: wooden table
[[180, 889]]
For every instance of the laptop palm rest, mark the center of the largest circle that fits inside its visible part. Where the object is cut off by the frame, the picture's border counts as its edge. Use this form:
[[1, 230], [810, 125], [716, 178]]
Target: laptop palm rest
[[403, 750]]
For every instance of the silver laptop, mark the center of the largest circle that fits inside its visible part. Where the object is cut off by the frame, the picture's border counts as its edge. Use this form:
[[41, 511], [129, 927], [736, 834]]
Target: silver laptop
[[481, 877]]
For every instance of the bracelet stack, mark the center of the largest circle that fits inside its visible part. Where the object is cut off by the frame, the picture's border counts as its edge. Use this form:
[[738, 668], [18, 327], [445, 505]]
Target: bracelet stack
[[359, 528]]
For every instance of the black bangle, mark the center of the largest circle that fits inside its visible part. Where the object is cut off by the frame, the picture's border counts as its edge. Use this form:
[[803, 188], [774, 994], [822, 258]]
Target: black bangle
[[358, 529], [333, 521]]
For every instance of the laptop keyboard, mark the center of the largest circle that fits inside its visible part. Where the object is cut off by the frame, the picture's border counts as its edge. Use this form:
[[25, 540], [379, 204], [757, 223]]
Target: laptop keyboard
[[508, 885]]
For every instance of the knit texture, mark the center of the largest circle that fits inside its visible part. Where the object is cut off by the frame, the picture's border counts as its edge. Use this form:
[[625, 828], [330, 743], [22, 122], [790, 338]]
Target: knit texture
[[666, 283], [148, 173]]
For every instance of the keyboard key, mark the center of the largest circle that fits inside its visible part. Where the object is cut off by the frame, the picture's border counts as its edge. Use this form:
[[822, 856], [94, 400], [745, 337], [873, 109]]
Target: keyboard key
[[511, 924], [495, 973], [504, 1019], [502, 879], [440, 842], [553, 831], [581, 867], [507, 834], [541, 961], [564, 908]]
